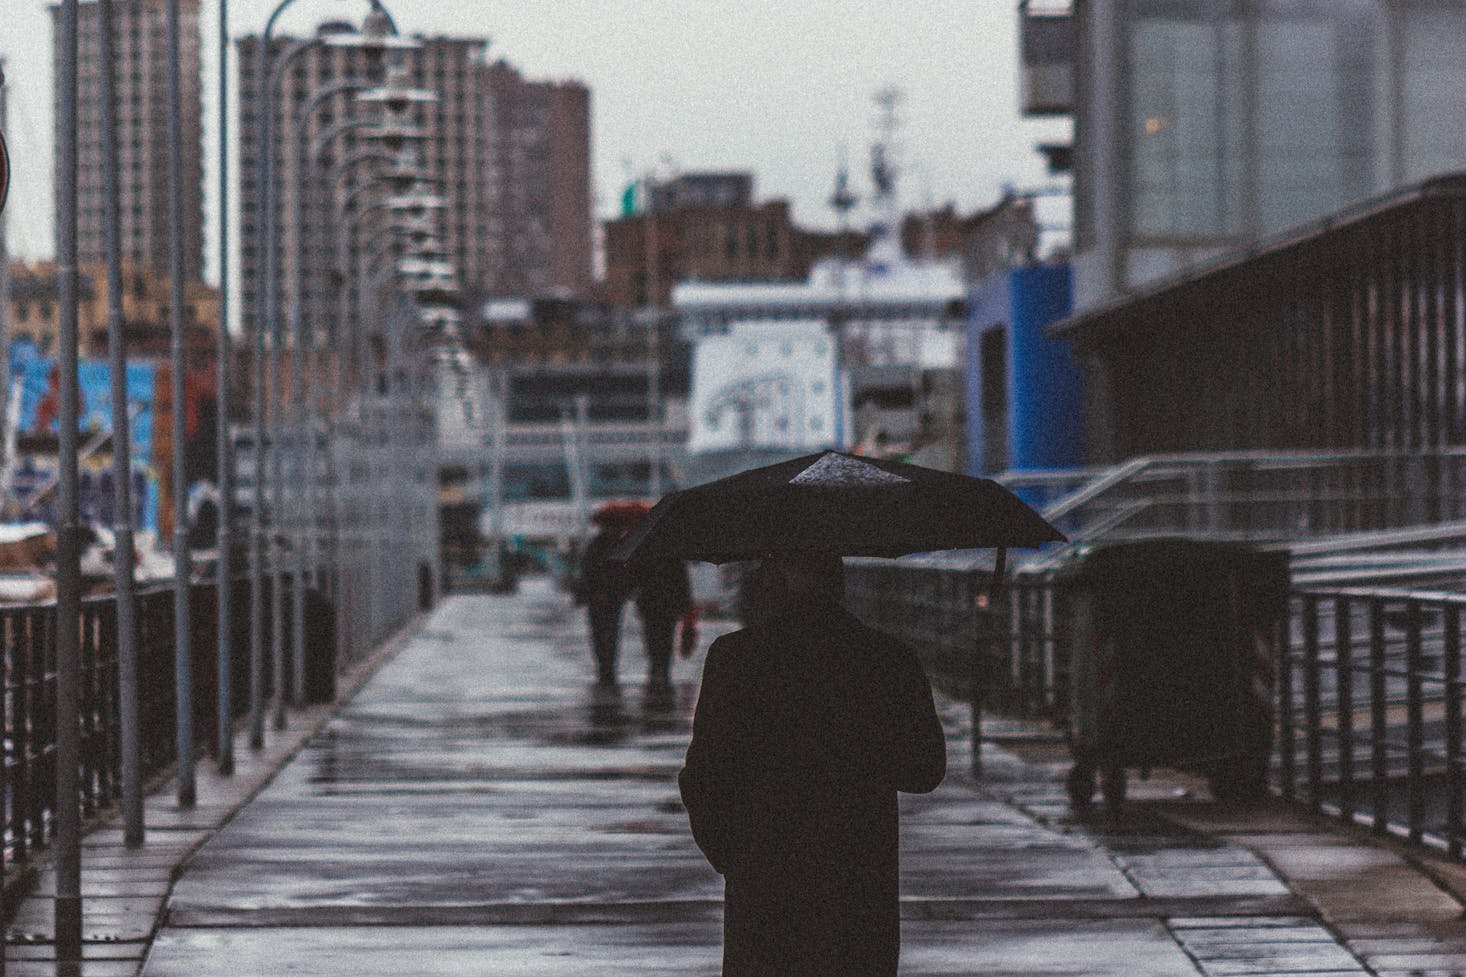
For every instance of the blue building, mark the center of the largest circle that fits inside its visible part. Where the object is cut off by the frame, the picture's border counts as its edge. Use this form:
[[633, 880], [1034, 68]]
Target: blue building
[[1024, 394]]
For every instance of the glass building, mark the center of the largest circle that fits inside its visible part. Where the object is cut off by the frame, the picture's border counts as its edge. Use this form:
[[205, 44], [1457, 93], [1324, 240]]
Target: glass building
[[1202, 126]]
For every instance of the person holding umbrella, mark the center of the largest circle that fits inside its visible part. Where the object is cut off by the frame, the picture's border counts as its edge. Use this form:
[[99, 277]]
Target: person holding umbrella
[[602, 587], [809, 723]]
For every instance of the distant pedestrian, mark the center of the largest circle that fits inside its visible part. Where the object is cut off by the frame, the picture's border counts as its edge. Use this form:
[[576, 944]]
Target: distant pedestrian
[[807, 725], [602, 588], [663, 597]]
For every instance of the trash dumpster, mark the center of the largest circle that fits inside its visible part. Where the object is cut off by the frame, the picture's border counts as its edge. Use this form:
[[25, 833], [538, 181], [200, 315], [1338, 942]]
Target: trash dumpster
[[1174, 645]]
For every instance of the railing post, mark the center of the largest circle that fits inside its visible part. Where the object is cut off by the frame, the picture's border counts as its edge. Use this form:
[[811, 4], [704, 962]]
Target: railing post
[[1414, 734], [1312, 720], [986, 644], [1344, 682], [1379, 729], [1451, 667], [1050, 682], [67, 920], [1287, 729]]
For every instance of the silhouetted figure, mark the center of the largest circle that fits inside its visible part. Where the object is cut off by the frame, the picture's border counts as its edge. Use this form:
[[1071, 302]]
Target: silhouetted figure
[[602, 589], [663, 595], [807, 724]]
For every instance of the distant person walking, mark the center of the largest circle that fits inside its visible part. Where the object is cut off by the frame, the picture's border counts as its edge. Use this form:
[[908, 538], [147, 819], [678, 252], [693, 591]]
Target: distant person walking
[[807, 725], [663, 596], [602, 588]]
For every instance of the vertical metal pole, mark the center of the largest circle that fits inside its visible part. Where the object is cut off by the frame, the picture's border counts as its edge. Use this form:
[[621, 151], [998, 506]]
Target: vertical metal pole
[[304, 502], [1379, 793], [1312, 711], [654, 344], [498, 435], [225, 442], [257, 502], [182, 572], [1451, 666], [343, 484], [394, 486], [298, 504], [264, 298], [1344, 683], [367, 608], [123, 516], [5, 461], [1415, 786], [68, 550], [1287, 727], [277, 501]]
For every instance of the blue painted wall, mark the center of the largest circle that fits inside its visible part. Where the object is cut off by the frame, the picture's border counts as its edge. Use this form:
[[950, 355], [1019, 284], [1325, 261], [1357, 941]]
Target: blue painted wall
[[1044, 423]]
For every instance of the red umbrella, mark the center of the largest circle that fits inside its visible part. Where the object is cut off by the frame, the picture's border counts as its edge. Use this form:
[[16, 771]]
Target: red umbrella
[[624, 513]]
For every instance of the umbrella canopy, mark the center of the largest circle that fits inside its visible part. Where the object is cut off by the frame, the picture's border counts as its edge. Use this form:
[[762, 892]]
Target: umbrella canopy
[[621, 512], [833, 502]]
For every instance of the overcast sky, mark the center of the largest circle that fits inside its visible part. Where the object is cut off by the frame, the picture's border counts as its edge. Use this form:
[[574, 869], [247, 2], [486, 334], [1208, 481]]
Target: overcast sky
[[772, 86]]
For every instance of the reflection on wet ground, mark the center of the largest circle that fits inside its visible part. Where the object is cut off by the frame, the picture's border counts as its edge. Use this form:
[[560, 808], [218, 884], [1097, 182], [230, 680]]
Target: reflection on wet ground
[[482, 808]]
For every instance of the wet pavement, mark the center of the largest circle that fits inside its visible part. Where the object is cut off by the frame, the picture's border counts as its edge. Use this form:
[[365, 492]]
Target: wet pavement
[[480, 808]]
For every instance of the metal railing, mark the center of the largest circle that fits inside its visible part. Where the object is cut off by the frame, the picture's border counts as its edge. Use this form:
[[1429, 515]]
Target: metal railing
[[28, 646], [1369, 711], [1248, 495], [1014, 655], [1368, 698]]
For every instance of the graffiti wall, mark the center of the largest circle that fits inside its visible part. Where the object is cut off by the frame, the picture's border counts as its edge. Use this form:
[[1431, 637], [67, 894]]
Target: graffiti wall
[[36, 396]]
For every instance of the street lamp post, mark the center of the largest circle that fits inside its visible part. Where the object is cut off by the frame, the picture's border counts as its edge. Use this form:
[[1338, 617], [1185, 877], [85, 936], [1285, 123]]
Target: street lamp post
[[352, 626], [305, 426], [381, 20], [123, 516], [224, 572], [343, 503], [68, 928], [385, 594], [182, 570], [307, 159], [367, 625]]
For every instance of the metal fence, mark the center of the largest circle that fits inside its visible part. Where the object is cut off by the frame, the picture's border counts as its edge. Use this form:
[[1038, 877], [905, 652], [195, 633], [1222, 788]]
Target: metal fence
[[1369, 710], [28, 644], [1368, 697], [1014, 654]]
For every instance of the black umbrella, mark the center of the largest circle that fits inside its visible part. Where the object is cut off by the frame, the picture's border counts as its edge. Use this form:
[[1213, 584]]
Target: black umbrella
[[836, 503]]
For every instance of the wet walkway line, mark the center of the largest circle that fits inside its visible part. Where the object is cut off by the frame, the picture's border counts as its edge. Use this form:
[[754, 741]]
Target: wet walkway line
[[480, 808]]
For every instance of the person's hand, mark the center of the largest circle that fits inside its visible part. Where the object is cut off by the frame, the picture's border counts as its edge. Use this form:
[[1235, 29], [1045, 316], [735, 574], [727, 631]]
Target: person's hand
[[688, 643]]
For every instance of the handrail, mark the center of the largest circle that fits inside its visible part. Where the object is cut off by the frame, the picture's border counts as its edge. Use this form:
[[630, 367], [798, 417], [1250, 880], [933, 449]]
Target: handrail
[[1099, 486], [1455, 529]]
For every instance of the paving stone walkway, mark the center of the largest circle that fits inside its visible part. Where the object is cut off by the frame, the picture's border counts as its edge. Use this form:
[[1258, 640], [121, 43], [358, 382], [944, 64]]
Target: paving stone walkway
[[480, 808]]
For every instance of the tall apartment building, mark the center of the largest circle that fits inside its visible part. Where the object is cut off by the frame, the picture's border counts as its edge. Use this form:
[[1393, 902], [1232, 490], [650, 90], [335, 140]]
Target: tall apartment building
[[139, 39], [511, 157], [539, 136]]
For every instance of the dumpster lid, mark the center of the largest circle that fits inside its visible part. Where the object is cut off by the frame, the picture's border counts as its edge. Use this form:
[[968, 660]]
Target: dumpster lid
[[1132, 559]]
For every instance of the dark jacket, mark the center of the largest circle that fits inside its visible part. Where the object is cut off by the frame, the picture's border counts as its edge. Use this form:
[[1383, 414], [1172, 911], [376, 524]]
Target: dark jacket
[[663, 590], [806, 727], [601, 582]]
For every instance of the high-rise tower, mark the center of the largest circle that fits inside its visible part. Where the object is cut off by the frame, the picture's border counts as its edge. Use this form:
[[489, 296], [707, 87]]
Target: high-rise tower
[[142, 135]]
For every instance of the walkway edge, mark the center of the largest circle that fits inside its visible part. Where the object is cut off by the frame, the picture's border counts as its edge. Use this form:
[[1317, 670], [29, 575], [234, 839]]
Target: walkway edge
[[180, 833], [1384, 899]]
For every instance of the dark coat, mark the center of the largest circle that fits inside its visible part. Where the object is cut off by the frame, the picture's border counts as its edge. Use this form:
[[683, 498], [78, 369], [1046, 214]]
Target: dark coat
[[663, 590], [601, 582], [806, 727]]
